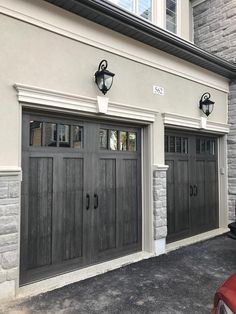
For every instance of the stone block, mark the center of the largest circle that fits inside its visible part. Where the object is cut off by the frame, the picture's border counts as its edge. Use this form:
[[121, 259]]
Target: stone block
[[8, 210], [14, 189], [3, 192], [157, 204], [7, 240], [160, 232], [8, 224], [9, 260], [160, 223]]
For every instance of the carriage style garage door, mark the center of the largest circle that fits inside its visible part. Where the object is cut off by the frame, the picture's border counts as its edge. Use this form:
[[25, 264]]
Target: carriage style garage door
[[81, 194], [192, 184]]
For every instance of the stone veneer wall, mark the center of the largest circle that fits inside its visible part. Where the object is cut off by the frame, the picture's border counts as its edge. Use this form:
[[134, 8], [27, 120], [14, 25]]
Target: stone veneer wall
[[232, 151], [215, 31], [215, 27], [9, 235], [159, 204]]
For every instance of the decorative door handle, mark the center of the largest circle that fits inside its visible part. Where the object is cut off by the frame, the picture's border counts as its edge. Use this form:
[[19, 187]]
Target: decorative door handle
[[87, 201], [195, 193], [95, 201], [191, 190]]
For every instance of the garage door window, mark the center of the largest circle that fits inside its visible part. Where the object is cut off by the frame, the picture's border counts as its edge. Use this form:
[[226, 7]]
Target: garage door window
[[55, 135], [118, 140]]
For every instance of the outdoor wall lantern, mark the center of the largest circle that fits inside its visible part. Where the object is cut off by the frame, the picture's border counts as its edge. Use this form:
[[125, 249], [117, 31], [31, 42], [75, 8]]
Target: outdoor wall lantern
[[103, 77], [205, 104]]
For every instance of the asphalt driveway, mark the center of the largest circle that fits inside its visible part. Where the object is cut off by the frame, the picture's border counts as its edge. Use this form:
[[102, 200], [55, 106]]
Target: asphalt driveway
[[182, 281]]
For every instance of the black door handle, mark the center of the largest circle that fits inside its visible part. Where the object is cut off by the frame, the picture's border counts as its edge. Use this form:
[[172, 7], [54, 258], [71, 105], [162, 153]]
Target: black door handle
[[95, 201], [87, 201], [195, 193], [191, 190]]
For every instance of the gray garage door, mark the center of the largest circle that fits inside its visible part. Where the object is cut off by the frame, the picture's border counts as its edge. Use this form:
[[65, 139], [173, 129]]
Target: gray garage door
[[81, 194], [192, 184]]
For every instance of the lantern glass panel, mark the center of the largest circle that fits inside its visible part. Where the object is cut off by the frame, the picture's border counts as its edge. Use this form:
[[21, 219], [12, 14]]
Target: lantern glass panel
[[108, 81]]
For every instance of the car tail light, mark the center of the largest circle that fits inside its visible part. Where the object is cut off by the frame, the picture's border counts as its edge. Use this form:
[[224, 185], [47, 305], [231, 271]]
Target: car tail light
[[222, 308]]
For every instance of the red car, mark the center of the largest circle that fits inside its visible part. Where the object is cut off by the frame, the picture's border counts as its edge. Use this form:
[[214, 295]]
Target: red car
[[225, 297]]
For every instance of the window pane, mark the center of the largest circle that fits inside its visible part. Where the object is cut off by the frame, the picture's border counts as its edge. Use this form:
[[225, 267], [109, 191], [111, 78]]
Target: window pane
[[125, 4], [144, 9], [122, 140], [171, 15], [178, 144], [113, 140], [103, 138], [171, 5], [185, 145], [172, 144], [212, 147], [64, 135], [203, 146], [132, 141], [198, 146], [166, 143], [50, 134], [36, 133], [77, 136]]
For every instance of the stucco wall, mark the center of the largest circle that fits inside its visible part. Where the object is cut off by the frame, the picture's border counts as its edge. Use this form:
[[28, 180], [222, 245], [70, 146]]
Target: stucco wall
[[36, 57], [215, 31]]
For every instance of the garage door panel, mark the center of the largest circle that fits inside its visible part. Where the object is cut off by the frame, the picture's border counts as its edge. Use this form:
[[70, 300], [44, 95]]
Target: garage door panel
[[107, 217], [182, 195], [40, 211], [192, 183], [73, 208], [212, 191], [198, 200], [130, 202], [81, 196], [171, 197]]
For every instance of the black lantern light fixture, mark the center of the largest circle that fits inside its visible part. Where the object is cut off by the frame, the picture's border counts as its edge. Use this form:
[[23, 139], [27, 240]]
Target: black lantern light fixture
[[205, 104], [103, 77]]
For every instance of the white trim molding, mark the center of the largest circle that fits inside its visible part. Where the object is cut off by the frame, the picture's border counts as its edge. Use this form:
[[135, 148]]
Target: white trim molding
[[34, 97], [174, 120], [10, 171], [160, 167]]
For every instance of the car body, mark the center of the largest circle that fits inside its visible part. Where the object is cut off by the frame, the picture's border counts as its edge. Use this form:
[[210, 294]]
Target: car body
[[225, 297]]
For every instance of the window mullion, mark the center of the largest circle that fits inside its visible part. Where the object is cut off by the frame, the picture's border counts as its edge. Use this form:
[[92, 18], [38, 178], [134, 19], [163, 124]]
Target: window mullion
[[135, 6]]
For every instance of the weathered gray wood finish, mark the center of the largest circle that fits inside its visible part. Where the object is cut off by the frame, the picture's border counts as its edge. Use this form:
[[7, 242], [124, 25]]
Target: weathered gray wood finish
[[192, 186], [80, 205]]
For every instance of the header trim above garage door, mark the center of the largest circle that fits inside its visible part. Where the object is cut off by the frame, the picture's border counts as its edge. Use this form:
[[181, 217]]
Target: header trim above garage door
[[35, 97], [174, 120]]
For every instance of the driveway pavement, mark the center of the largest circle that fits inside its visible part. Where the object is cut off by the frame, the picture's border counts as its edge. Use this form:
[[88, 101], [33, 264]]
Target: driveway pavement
[[182, 281]]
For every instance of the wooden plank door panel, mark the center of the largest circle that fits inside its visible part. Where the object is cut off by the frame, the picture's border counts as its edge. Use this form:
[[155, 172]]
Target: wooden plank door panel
[[106, 202], [72, 240], [211, 217], [198, 199], [130, 202], [40, 190], [182, 196], [170, 197]]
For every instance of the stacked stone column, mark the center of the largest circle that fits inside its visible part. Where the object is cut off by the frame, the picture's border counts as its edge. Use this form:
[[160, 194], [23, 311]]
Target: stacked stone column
[[159, 204], [9, 234]]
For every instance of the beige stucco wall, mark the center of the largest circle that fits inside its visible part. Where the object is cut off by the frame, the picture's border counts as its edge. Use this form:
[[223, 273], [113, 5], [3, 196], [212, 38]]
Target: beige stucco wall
[[33, 56]]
